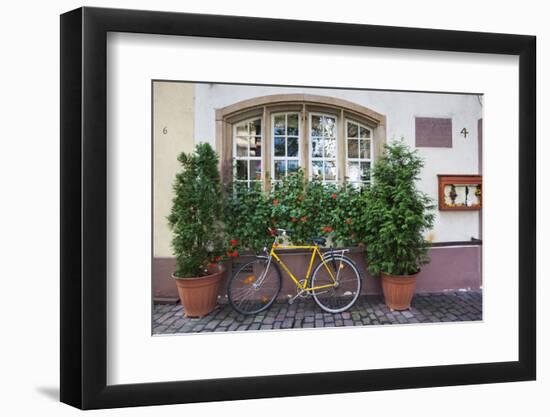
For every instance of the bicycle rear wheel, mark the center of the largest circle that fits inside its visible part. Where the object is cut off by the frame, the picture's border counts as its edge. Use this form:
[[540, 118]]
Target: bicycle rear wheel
[[254, 287], [346, 289]]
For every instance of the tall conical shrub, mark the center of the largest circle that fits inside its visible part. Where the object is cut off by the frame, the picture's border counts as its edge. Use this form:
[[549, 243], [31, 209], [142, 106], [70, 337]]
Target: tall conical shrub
[[196, 215]]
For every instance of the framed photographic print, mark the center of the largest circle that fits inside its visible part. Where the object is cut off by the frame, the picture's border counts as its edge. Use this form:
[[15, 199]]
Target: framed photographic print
[[257, 208]]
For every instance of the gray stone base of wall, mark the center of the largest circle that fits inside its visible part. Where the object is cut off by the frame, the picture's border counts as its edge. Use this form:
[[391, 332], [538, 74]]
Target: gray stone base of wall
[[451, 268]]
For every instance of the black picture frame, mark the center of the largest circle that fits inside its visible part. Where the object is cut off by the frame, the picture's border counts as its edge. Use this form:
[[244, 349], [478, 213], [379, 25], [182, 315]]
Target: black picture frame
[[84, 207]]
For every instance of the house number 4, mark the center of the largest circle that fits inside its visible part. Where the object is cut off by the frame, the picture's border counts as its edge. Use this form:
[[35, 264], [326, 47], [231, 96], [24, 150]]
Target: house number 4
[[464, 132]]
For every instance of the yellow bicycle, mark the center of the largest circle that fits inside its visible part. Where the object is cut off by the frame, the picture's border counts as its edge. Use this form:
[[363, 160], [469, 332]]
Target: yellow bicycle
[[335, 282]]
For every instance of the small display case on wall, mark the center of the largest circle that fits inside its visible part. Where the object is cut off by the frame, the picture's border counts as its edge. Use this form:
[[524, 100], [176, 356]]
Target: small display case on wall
[[460, 192]]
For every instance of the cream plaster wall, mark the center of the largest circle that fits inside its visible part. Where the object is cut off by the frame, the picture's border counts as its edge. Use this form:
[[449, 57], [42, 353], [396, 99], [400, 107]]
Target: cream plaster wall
[[173, 113]]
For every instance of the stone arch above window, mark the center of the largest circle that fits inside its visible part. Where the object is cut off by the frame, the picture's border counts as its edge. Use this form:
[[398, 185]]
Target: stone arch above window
[[284, 143]]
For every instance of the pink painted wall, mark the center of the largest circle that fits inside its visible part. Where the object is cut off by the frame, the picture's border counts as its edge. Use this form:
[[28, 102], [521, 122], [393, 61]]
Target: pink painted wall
[[451, 268]]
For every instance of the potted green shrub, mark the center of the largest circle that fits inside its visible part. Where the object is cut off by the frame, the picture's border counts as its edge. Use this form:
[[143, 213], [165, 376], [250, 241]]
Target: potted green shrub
[[396, 216], [197, 228]]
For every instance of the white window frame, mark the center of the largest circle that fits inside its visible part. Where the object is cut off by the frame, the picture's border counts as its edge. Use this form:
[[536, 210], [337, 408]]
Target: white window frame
[[272, 135], [358, 159], [248, 158], [310, 145]]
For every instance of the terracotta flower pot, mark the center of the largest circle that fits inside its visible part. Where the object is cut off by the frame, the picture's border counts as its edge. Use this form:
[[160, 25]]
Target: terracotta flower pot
[[398, 290], [199, 295]]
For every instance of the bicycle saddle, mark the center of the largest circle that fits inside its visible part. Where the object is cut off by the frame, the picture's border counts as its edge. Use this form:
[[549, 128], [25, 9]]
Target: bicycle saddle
[[321, 241]]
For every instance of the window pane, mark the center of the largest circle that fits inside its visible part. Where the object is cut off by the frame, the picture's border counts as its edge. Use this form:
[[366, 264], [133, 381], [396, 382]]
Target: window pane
[[292, 166], [329, 126], [365, 171], [353, 151], [316, 128], [316, 148], [242, 170], [279, 146], [330, 170], [242, 145], [256, 127], [256, 146], [292, 146], [352, 130], [279, 124], [242, 130], [353, 171], [280, 167], [330, 148], [257, 169], [364, 148], [364, 132], [292, 125], [317, 169]]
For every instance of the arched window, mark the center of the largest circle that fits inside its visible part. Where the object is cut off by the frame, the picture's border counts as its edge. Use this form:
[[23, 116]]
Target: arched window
[[266, 138]]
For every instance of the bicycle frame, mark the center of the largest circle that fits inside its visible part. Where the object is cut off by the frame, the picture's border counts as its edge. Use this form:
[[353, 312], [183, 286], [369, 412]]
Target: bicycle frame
[[314, 251]]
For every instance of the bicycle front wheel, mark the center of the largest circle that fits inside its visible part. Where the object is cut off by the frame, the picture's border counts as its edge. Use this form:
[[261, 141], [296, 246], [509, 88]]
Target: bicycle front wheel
[[254, 287], [340, 287]]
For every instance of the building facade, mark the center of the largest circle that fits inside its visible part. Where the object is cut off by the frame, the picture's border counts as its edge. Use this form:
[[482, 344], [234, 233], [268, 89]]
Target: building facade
[[263, 133]]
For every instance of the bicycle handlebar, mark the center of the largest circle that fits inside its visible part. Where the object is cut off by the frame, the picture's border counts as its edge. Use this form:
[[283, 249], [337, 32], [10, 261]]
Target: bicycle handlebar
[[279, 232]]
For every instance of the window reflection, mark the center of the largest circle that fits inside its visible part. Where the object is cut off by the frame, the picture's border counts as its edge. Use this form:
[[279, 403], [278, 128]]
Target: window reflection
[[286, 147], [323, 147], [248, 150], [358, 153]]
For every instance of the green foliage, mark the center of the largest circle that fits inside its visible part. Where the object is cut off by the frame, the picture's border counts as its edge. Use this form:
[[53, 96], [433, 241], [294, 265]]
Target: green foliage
[[397, 214], [295, 206], [303, 208], [348, 218], [389, 218], [247, 217], [196, 216]]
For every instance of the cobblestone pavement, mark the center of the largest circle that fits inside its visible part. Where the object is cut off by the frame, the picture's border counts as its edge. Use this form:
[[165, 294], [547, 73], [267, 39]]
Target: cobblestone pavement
[[304, 313]]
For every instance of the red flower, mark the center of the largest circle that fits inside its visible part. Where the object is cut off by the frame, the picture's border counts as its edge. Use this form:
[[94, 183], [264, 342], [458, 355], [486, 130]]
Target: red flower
[[333, 196], [276, 202], [235, 253], [233, 242], [327, 229], [303, 218], [212, 265], [229, 254], [293, 219], [272, 232], [218, 258]]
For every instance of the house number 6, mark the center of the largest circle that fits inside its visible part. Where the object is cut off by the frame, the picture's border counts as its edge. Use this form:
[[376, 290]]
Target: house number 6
[[165, 130]]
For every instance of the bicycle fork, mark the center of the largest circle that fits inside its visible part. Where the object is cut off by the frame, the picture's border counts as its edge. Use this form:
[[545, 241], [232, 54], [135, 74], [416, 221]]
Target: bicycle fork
[[261, 279]]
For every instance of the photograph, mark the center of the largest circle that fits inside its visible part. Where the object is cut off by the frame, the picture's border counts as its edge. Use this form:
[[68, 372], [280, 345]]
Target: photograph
[[246, 208], [283, 208]]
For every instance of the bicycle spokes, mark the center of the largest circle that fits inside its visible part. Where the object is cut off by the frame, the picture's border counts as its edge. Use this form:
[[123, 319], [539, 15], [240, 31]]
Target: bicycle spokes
[[254, 286], [339, 284]]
